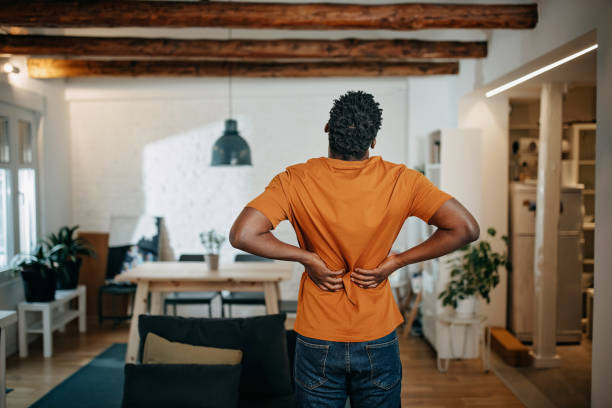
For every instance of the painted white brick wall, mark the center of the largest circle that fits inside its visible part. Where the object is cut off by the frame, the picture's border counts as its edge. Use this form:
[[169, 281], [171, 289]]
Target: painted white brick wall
[[144, 146]]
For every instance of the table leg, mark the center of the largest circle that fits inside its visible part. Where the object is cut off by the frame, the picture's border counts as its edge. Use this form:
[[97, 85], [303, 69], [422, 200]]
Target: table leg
[[130, 305], [47, 333], [157, 303], [140, 307], [2, 367], [270, 293], [82, 302], [23, 335]]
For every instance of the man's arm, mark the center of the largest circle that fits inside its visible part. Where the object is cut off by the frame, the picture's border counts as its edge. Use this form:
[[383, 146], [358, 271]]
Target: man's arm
[[251, 232], [456, 227]]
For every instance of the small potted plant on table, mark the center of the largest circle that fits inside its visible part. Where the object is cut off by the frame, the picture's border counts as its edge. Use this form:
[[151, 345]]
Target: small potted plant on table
[[475, 272], [212, 241], [65, 251], [39, 279]]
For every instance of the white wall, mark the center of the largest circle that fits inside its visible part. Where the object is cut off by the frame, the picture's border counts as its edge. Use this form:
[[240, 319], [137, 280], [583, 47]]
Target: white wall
[[492, 116], [144, 146]]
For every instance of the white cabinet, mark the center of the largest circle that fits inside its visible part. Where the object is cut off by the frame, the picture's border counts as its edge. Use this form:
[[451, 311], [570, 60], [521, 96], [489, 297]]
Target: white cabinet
[[454, 165], [569, 262]]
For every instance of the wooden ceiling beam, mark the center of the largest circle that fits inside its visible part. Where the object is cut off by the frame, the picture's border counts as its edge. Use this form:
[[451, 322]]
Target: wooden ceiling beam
[[353, 49], [299, 16], [61, 68]]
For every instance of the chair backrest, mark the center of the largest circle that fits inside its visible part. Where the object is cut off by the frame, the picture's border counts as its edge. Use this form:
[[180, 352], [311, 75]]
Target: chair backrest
[[191, 258], [251, 258]]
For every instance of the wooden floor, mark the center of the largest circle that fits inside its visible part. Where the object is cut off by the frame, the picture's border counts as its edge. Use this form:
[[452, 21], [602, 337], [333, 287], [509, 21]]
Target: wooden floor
[[567, 386], [464, 385]]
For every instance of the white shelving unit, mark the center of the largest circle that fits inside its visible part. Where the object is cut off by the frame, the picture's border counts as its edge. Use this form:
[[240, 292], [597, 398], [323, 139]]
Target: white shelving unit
[[54, 316], [456, 169], [581, 170]]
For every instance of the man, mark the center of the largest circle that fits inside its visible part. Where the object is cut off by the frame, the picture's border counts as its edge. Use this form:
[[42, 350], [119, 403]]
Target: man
[[347, 210]]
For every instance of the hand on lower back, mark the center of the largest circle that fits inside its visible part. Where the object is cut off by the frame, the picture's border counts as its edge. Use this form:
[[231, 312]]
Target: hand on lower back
[[371, 278], [322, 276]]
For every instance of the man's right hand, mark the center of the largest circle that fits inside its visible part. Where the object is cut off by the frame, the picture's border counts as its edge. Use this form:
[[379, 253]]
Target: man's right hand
[[322, 276]]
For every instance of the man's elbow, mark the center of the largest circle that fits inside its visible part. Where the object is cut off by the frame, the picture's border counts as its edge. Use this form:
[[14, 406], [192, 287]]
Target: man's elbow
[[236, 238], [471, 231]]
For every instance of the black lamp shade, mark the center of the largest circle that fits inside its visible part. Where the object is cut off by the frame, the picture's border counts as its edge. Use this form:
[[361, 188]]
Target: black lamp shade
[[231, 149]]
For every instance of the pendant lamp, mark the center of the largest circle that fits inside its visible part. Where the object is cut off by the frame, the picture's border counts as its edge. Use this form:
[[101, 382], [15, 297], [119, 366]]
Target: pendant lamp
[[231, 149]]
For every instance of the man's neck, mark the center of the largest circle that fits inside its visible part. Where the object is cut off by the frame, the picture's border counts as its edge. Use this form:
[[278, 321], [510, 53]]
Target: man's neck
[[348, 158]]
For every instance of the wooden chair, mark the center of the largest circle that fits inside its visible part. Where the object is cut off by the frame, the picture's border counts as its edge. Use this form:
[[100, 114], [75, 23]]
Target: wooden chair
[[197, 298]]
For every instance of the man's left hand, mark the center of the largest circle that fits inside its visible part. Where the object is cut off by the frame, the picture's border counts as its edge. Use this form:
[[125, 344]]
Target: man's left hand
[[371, 278]]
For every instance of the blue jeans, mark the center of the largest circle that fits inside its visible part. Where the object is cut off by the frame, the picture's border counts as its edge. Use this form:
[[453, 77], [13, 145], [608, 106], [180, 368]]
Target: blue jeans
[[368, 372]]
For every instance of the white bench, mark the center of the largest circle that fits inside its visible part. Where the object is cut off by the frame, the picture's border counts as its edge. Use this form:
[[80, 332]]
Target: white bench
[[7, 317], [55, 315]]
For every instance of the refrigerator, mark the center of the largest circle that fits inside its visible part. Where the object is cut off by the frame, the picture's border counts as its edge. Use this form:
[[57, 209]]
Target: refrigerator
[[569, 262]]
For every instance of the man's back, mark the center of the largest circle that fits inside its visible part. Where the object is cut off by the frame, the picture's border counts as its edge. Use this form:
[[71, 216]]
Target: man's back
[[349, 213]]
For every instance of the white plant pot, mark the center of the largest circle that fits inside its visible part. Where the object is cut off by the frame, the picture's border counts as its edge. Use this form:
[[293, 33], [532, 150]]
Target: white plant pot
[[467, 307]]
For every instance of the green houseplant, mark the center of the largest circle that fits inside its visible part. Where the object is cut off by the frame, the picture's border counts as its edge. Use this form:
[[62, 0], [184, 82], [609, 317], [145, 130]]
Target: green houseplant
[[65, 252], [212, 242], [475, 272], [39, 279]]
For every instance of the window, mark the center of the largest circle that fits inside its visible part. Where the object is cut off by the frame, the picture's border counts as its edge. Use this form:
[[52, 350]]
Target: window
[[18, 182]]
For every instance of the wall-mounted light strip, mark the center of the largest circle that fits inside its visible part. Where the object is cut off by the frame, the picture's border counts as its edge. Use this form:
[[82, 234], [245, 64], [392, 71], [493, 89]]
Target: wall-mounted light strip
[[539, 71]]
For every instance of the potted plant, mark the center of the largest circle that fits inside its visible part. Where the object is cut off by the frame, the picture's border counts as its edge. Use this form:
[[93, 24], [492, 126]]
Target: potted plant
[[39, 279], [212, 242], [475, 272], [65, 251]]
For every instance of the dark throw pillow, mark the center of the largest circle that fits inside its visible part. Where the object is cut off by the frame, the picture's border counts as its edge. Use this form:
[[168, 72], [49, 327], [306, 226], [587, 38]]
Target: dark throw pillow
[[262, 339], [181, 386]]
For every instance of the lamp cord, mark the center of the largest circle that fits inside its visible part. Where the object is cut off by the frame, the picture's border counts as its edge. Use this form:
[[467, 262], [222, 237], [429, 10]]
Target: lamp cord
[[229, 82]]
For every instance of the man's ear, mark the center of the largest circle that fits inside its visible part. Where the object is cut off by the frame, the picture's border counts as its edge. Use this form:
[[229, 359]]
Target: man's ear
[[327, 127], [373, 143]]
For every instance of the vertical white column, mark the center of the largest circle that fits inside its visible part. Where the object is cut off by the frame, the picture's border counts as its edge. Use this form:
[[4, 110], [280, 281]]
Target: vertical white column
[[544, 351]]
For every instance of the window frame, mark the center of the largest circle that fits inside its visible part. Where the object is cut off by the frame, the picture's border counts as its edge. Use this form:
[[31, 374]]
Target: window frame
[[15, 114]]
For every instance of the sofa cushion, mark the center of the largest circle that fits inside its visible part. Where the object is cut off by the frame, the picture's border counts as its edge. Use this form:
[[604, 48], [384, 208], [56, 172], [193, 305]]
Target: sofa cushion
[[158, 350], [181, 385], [262, 339], [284, 401]]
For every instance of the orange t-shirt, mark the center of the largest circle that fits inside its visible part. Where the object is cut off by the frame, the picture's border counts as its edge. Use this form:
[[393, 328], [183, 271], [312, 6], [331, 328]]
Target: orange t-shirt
[[349, 213]]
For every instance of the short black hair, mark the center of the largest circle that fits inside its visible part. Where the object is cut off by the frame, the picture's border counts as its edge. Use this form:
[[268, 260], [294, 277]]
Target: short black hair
[[354, 121]]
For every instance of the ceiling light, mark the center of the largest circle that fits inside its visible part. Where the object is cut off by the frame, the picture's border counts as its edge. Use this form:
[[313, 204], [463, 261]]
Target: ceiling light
[[10, 68], [231, 149], [539, 71]]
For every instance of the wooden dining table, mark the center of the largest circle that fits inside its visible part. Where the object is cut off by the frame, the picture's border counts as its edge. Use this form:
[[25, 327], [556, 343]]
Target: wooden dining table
[[157, 278]]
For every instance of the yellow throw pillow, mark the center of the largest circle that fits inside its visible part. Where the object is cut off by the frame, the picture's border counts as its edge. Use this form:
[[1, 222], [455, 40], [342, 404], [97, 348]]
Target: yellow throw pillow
[[158, 350]]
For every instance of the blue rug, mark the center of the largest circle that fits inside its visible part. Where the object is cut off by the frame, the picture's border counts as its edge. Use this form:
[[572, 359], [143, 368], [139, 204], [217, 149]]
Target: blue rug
[[99, 384]]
